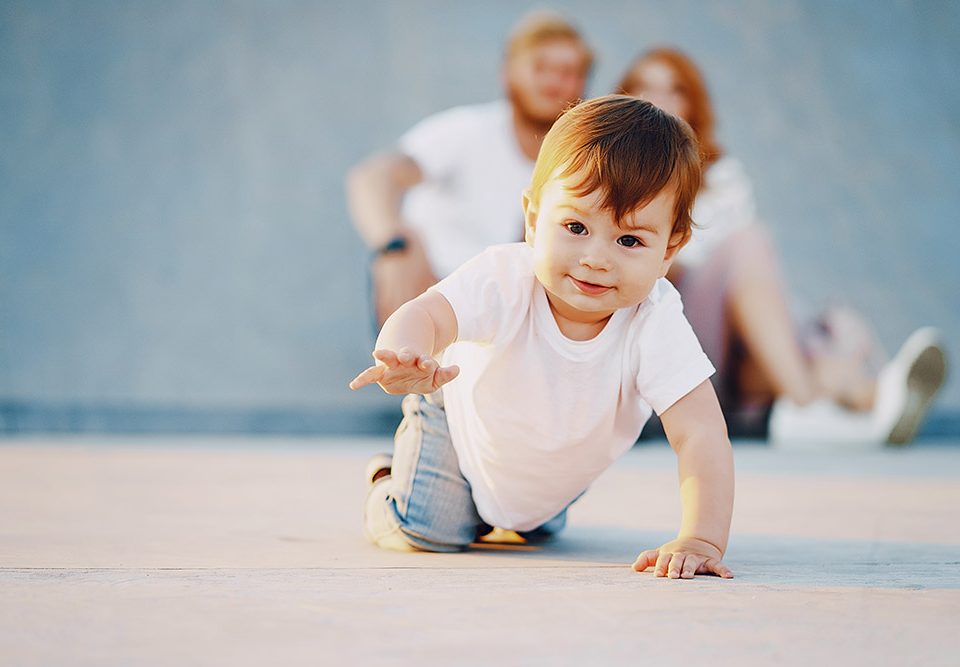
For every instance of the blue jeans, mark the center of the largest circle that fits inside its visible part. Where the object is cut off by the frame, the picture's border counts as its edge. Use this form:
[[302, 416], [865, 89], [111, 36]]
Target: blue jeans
[[425, 503]]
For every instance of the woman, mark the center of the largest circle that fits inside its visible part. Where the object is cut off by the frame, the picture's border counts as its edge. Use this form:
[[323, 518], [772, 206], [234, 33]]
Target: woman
[[824, 380]]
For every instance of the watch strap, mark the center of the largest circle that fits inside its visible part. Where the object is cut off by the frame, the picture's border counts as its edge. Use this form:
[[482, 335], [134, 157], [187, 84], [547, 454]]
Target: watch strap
[[396, 244]]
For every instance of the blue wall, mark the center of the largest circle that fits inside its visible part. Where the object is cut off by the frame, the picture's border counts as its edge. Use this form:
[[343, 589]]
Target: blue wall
[[173, 230]]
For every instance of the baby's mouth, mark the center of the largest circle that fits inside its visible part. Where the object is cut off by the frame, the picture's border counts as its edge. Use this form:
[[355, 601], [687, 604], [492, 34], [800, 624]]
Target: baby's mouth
[[592, 289]]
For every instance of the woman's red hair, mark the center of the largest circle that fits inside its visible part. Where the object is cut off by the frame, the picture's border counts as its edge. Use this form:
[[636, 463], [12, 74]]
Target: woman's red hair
[[693, 87]]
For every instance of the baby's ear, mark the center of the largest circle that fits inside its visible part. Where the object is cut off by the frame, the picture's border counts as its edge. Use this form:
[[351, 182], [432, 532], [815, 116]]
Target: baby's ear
[[677, 241], [529, 217]]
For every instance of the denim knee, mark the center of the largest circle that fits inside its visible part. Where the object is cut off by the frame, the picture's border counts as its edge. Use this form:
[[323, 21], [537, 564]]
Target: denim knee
[[425, 503], [386, 527]]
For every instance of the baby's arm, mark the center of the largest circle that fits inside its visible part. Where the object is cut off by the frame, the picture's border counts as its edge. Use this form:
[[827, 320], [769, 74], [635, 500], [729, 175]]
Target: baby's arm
[[410, 339], [697, 432]]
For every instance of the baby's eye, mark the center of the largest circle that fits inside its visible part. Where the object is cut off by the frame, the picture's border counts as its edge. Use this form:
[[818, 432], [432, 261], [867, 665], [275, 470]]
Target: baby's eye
[[629, 241], [576, 228]]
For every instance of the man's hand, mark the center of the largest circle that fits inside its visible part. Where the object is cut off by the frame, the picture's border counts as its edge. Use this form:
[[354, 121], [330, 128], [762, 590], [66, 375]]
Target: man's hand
[[405, 372], [682, 558]]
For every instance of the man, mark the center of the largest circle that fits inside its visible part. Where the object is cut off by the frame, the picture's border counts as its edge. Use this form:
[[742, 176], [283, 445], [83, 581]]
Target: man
[[452, 186]]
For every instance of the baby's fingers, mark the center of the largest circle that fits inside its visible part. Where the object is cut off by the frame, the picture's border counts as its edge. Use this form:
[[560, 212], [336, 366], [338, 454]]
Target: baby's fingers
[[387, 357], [407, 357], [663, 563], [426, 363], [646, 559], [676, 565], [714, 566], [369, 376], [444, 375], [691, 564]]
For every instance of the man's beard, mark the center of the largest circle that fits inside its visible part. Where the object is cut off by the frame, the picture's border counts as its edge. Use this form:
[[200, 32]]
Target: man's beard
[[525, 114]]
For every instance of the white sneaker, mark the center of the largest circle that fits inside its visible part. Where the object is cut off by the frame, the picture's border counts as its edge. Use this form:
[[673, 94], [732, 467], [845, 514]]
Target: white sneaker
[[821, 425], [378, 466], [907, 384]]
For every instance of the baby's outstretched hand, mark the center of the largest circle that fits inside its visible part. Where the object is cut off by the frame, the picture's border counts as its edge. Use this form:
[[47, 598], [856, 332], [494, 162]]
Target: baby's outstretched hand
[[405, 372], [683, 558]]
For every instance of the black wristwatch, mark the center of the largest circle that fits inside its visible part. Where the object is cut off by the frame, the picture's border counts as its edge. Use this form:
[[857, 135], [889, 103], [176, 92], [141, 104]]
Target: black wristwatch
[[396, 244]]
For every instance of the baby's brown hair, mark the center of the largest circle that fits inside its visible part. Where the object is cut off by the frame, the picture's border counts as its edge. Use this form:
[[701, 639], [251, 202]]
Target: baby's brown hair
[[628, 149], [694, 89]]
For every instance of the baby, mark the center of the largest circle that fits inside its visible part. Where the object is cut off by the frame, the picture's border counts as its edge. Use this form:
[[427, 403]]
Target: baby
[[534, 366]]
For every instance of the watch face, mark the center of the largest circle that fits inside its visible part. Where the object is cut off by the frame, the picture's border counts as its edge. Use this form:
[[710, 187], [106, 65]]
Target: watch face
[[395, 244]]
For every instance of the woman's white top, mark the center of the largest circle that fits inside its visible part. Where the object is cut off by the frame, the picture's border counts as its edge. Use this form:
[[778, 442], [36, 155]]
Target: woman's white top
[[724, 205]]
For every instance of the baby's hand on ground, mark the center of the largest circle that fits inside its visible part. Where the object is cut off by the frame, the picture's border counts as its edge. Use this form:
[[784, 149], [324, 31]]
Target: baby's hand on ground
[[405, 372], [682, 558]]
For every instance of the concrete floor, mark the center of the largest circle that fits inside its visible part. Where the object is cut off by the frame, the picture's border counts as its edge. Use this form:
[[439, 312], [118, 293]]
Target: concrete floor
[[126, 551]]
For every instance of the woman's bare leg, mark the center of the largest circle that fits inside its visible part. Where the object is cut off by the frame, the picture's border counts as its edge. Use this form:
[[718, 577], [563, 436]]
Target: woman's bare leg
[[760, 318], [844, 379]]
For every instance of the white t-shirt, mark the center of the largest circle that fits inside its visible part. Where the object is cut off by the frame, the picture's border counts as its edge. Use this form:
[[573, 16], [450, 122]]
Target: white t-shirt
[[723, 206], [474, 174], [534, 416]]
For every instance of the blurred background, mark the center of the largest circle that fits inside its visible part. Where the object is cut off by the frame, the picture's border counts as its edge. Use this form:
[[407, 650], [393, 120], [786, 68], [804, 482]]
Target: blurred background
[[175, 251]]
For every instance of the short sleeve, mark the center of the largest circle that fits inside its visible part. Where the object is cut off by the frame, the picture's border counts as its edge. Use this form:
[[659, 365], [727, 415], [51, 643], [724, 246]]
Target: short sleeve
[[435, 142], [489, 292], [669, 360]]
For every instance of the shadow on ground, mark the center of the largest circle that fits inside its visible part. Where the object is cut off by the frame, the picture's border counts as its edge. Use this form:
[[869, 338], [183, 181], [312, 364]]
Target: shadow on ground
[[766, 559]]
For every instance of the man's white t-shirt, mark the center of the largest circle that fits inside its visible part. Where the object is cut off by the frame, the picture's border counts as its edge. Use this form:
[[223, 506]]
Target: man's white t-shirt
[[534, 416], [474, 174]]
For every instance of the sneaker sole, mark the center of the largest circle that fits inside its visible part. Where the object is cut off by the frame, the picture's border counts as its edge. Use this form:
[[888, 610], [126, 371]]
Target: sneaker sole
[[925, 378], [377, 463]]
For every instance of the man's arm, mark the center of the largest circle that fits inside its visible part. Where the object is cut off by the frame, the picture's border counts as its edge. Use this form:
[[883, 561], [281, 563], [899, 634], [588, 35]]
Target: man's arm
[[697, 432], [375, 190]]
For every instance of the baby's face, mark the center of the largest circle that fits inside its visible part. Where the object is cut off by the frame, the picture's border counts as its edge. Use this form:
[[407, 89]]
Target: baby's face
[[588, 265]]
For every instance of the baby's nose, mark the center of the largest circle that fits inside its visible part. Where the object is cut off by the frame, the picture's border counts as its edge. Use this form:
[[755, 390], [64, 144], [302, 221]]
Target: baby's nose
[[596, 261]]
